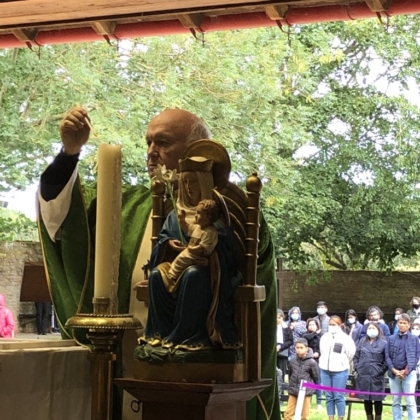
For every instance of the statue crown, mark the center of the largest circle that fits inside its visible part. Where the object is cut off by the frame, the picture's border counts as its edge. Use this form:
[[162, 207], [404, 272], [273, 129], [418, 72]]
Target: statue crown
[[195, 164]]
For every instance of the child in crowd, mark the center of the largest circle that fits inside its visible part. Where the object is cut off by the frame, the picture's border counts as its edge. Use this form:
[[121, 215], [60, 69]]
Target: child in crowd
[[302, 367], [314, 336]]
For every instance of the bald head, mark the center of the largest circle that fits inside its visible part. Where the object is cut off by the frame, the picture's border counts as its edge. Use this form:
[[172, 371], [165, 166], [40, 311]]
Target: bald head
[[169, 134]]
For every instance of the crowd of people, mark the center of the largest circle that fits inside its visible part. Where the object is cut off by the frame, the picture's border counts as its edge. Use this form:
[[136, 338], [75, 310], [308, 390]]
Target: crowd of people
[[325, 350]]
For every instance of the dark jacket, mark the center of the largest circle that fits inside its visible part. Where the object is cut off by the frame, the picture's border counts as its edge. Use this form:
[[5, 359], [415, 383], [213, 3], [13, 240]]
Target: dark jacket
[[355, 332], [370, 364], [305, 369], [313, 341], [324, 321], [412, 352], [287, 341], [383, 327]]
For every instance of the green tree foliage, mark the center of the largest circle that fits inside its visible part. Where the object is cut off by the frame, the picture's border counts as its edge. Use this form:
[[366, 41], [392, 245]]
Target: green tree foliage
[[360, 188], [326, 115], [16, 227]]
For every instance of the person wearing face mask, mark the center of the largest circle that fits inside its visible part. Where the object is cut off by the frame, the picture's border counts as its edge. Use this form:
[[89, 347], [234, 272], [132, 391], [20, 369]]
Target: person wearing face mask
[[352, 326], [297, 326], [393, 325], [313, 336], [415, 330], [370, 365], [374, 314], [322, 317], [337, 350], [402, 355], [414, 311]]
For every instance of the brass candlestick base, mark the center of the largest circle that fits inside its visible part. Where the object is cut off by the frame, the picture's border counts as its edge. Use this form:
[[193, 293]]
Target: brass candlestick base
[[105, 332]]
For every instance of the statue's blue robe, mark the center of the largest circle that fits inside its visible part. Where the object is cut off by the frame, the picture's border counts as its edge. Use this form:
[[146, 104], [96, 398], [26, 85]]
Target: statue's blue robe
[[181, 317]]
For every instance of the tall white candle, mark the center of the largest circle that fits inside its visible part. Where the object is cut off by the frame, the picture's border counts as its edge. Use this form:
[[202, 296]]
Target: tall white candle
[[108, 224]]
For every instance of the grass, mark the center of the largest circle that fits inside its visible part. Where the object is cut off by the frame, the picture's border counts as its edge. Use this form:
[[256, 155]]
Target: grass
[[357, 411]]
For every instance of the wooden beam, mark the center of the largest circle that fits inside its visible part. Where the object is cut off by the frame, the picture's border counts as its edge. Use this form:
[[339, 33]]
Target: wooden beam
[[191, 20], [28, 13], [378, 5], [277, 11], [104, 27]]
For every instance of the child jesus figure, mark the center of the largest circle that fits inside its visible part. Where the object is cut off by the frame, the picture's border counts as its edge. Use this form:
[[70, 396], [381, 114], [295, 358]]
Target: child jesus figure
[[203, 236]]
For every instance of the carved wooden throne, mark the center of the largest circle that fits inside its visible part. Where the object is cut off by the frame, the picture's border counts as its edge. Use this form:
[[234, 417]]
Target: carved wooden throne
[[244, 215]]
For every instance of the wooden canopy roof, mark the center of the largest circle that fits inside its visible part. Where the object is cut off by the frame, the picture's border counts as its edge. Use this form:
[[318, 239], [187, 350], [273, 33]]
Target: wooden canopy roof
[[50, 21]]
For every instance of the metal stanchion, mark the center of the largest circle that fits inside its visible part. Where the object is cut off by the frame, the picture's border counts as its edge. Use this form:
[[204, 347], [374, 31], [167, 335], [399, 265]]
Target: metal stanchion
[[300, 401]]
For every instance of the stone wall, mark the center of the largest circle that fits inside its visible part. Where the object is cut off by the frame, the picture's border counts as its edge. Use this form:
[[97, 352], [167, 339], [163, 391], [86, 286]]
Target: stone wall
[[13, 256], [343, 290]]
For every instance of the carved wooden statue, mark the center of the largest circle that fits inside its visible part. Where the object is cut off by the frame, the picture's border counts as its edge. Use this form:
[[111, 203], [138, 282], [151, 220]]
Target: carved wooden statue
[[203, 323]]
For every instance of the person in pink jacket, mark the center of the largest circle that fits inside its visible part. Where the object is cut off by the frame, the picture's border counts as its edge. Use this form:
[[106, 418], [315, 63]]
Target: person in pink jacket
[[7, 321]]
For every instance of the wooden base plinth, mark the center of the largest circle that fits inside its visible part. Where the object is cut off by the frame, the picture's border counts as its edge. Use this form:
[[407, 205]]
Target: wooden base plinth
[[190, 372], [181, 401]]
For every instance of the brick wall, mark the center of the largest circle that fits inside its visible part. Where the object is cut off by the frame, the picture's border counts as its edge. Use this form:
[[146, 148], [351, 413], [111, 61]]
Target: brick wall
[[13, 256], [343, 290]]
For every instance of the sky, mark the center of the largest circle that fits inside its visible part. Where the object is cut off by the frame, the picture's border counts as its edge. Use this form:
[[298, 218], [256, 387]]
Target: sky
[[23, 201]]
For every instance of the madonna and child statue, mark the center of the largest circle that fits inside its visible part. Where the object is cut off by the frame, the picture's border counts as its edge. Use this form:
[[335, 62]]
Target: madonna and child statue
[[197, 266]]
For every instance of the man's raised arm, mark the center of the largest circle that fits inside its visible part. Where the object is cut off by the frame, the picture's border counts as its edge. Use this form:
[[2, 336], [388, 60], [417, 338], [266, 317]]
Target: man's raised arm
[[58, 179]]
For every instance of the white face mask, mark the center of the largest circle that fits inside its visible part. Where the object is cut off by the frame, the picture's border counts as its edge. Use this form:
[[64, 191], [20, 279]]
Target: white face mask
[[351, 320], [372, 333], [321, 311], [332, 329], [397, 317], [415, 332]]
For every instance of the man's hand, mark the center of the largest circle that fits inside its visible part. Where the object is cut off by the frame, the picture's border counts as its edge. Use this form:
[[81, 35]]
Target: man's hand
[[75, 130], [398, 373]]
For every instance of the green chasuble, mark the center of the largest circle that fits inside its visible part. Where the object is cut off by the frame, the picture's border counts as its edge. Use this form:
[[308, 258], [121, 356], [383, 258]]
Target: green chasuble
[[70, 261], [70, 264]]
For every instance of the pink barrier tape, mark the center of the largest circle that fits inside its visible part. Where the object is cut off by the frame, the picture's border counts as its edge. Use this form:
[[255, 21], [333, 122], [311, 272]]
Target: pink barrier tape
[[354, 391]]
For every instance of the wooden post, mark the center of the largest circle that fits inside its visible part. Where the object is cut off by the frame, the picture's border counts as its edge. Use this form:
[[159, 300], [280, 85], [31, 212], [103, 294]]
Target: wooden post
[[253, 186], [252, 348]]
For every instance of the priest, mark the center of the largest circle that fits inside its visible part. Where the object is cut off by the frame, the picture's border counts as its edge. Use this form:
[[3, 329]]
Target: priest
[[67, 227]]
